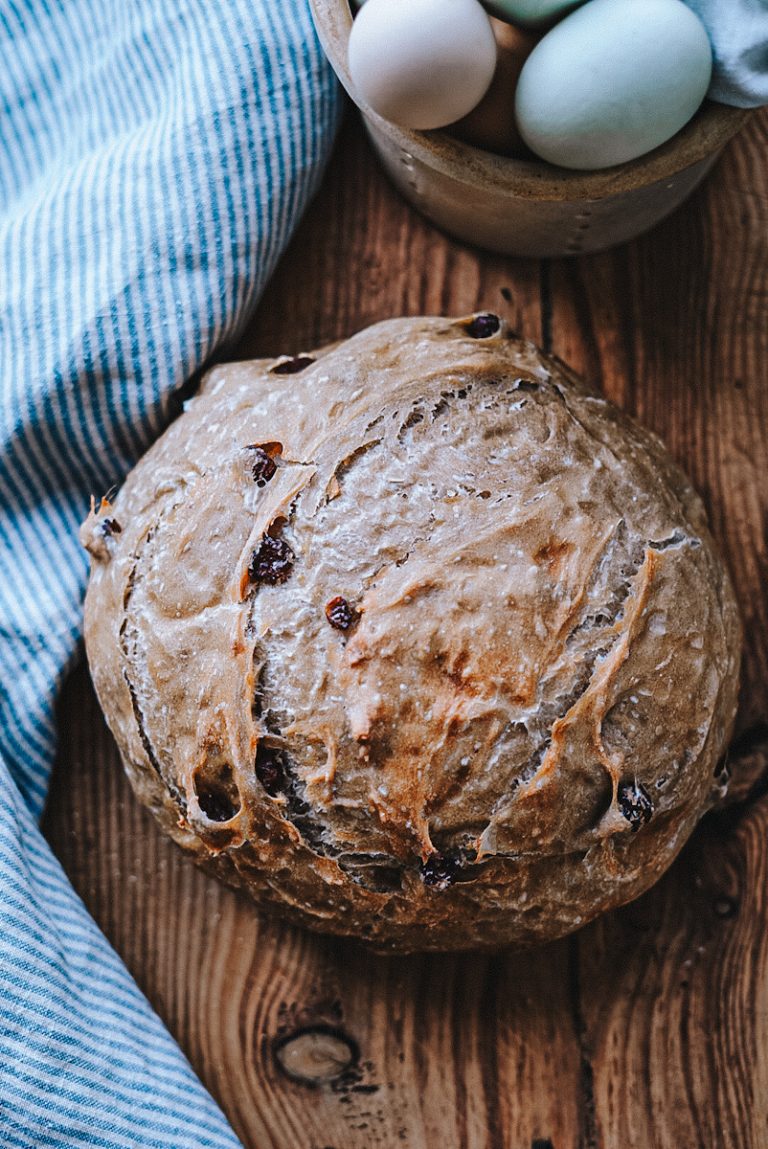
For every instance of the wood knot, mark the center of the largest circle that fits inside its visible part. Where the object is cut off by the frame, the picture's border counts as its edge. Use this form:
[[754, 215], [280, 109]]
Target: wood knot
[[316, 1055]]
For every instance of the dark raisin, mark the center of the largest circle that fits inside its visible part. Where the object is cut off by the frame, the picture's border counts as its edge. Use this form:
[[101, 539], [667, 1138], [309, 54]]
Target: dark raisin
[[542, 1143], [216, 804], [635, 804], [270, 769], [110, 527], [439, 871], [340, 614], [484, 325], [263, 467], [272, 563], [292, 366]]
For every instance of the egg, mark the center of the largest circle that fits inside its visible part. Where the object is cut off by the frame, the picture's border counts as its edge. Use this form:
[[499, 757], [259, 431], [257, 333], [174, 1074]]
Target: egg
[[612, 81], [530, 13], [422, 63], [491, 125]]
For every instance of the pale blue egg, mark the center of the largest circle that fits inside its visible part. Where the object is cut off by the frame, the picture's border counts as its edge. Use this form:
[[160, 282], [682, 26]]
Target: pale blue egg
[[530, 13], [612, 81]]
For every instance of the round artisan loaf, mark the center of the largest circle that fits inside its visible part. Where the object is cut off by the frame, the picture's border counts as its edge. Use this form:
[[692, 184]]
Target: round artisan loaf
[[416, 640]]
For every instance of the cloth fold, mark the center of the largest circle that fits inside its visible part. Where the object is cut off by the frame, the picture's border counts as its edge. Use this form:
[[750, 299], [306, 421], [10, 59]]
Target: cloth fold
[[738, 31], [155, 157]]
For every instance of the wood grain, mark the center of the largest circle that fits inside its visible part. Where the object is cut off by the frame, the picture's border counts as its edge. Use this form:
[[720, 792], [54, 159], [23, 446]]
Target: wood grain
[[649, 1029]]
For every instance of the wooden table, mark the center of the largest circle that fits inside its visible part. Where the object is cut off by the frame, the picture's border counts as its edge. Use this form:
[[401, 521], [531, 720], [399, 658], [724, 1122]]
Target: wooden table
[[649, 1028]]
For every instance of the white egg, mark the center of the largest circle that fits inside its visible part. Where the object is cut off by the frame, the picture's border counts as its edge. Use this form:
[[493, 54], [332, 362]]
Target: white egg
[[612, 81], [422, 63], [530, 13]]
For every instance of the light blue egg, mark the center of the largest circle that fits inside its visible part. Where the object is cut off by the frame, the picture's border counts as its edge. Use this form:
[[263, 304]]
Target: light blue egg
[[530, 13], [612, 81]]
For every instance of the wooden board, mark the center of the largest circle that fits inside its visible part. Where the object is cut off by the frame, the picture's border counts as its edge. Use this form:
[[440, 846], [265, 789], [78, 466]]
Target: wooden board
[[648, 1029]]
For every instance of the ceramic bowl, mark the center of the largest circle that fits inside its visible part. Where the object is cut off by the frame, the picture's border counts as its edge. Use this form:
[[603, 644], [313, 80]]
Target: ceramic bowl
[[527, 208]]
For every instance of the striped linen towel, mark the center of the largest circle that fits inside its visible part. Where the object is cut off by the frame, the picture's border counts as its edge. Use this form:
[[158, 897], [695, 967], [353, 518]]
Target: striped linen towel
[[154, 158]]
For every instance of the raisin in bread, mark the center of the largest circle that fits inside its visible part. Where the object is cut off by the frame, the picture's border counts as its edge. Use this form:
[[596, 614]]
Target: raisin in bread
[[416, 639]]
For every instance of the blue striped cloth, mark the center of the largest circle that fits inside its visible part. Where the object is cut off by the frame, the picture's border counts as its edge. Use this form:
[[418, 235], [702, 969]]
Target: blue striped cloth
[[154, 158]]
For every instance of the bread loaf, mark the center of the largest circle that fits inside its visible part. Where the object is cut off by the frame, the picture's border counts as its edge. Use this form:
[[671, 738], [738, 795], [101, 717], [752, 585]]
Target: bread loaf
[[415, 639]]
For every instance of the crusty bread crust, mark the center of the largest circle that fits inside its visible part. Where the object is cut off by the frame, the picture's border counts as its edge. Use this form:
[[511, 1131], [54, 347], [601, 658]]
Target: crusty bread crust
[[421, 642]]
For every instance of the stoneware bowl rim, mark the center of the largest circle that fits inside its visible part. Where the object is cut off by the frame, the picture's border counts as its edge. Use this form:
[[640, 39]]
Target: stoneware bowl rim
[[709, 130]]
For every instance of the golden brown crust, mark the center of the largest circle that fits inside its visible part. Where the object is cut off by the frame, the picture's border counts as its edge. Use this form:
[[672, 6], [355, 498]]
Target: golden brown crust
[[473, 687]]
